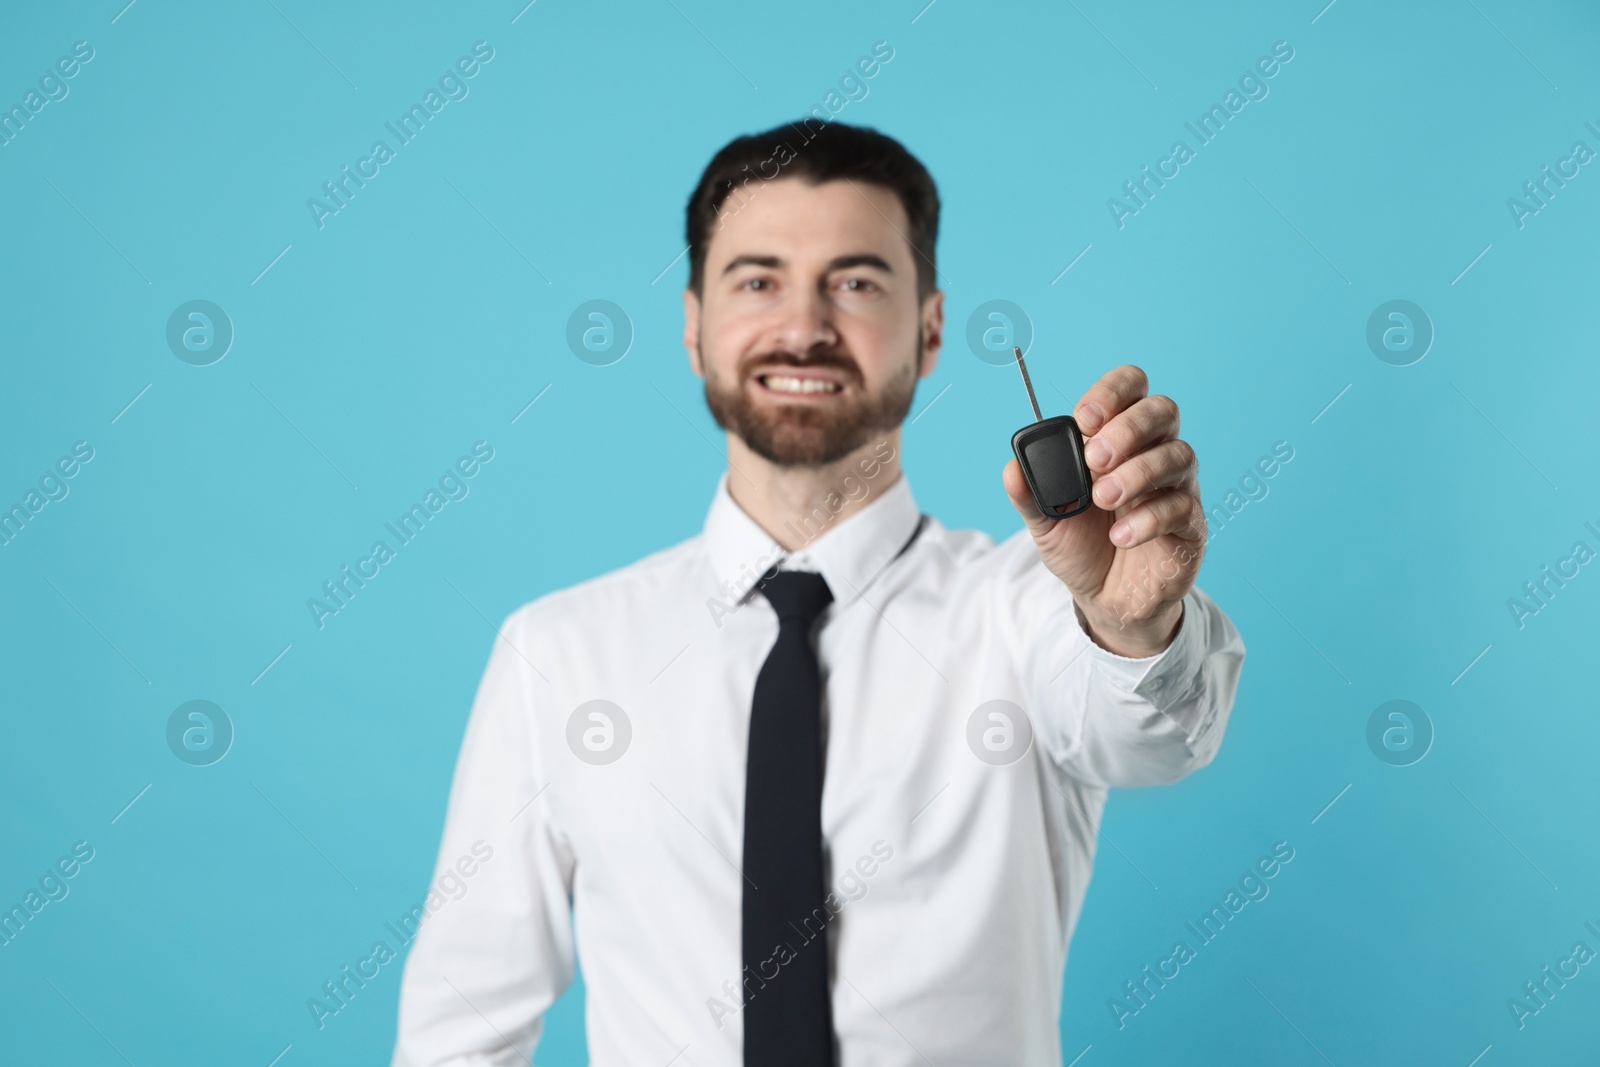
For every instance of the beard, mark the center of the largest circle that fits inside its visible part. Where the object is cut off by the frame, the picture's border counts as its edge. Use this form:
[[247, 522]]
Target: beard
[[804, 434]]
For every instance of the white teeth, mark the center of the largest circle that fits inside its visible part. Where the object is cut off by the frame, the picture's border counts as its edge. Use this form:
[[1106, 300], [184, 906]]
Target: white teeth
[[782, 384]]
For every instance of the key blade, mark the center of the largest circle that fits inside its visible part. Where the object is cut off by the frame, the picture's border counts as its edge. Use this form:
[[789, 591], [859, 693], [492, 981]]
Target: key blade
[[1026, 381]]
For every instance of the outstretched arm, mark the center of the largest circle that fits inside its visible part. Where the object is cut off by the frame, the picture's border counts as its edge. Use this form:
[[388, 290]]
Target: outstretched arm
[[1132, 670]]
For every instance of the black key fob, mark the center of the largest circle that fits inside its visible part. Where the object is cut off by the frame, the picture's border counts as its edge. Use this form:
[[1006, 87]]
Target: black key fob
[[1050, 452], [1051, 455]]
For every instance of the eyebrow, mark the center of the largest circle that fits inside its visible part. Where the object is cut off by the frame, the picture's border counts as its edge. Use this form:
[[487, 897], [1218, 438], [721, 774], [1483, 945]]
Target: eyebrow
[[856, 259]]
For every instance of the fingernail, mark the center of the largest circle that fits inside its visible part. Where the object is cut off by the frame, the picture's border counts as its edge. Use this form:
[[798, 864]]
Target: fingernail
[[1107, 491], [1093, 410], [1097, 454], [1122, 533]]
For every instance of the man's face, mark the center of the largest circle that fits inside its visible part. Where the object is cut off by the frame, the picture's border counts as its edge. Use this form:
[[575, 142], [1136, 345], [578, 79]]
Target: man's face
[[810, 335]]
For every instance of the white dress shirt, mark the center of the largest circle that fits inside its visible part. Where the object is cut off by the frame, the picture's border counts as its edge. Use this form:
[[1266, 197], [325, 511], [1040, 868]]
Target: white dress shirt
[[958, 866]]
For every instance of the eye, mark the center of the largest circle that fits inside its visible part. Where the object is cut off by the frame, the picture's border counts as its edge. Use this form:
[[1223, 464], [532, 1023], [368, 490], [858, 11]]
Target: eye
[[748, 282], [861, 285]]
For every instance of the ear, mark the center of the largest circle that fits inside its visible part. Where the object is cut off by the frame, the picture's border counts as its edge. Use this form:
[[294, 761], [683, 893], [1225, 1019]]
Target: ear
[[932, 332], [691, 331]]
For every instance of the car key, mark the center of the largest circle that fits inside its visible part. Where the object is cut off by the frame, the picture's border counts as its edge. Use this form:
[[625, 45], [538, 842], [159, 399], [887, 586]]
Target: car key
[[1050, 452]]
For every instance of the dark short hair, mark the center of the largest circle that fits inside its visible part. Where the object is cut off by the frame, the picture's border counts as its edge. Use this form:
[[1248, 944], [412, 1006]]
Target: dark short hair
[[816, 152]]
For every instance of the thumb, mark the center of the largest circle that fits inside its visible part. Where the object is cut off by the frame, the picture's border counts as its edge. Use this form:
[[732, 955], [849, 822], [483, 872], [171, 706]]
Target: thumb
[[1022, 498]]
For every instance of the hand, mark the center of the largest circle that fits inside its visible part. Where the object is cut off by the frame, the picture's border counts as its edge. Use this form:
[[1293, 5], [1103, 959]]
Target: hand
[[1130, 558]]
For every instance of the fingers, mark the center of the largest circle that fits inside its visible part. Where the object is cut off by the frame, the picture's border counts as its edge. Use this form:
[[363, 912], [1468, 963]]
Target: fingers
[[1116, 390], [1146, 421], [1164, 465], [1169, 511]]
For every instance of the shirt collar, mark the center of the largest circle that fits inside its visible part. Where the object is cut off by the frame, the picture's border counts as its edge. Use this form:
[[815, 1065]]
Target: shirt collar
[[848, 552]]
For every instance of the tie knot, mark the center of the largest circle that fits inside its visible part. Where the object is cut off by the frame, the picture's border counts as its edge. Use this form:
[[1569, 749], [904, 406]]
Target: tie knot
[[797, 596]]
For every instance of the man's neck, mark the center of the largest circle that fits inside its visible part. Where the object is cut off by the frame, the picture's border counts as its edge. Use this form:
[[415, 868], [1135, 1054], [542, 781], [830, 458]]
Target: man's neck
[[795, 505]]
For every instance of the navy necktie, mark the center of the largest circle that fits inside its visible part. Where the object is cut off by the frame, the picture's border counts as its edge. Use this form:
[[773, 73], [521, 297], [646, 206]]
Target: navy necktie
[[788, 1022]]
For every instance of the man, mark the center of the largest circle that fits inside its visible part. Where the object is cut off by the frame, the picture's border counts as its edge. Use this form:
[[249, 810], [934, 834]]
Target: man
[[821, 784]]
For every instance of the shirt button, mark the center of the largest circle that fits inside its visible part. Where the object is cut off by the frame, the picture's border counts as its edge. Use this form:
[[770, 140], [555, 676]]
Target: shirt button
[[1156, 684]]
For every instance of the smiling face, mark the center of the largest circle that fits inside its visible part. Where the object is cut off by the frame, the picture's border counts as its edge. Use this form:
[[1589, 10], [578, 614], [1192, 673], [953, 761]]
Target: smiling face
[[810, 335]]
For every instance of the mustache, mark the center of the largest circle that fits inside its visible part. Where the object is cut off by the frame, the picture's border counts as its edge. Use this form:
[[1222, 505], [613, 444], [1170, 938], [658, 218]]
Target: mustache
[[832, 359]]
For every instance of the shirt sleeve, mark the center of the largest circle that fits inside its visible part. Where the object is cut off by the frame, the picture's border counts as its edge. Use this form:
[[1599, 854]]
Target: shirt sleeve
[[1111, 720], [495, 948]]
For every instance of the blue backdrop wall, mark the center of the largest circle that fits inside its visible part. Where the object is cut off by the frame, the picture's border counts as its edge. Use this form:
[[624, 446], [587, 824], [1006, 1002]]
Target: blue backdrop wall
[[215, 394]]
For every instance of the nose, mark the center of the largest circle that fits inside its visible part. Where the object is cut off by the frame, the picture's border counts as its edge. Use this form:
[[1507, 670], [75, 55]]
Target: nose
[[805, 322]]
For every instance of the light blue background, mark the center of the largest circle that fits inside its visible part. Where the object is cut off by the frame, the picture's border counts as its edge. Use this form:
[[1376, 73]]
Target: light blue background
[[423, 318]]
